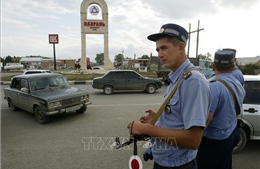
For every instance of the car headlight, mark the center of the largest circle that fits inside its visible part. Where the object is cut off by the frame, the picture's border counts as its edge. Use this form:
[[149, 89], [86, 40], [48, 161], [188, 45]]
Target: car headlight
[[82, 98], [85, 98], [54, 104], [57, 104], [51, 105]]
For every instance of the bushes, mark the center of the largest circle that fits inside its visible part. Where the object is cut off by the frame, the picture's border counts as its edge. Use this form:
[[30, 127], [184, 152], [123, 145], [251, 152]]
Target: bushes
[[250, 69]]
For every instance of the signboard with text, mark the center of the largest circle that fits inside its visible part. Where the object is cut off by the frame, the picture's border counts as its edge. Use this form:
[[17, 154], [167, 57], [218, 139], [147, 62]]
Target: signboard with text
[[53, 38]]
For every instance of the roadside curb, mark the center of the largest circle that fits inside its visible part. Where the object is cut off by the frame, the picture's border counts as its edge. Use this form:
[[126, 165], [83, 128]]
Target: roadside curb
[[81, 82], [5, 82], [70, 82]]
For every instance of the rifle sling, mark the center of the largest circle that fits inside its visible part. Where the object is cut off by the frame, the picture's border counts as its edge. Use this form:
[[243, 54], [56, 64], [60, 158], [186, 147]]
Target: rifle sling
[[233, 95], [159, 112]]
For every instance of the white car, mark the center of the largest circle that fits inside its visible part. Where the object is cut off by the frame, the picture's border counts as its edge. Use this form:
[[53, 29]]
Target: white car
[[97, 68], [250, 115], [34, 71]]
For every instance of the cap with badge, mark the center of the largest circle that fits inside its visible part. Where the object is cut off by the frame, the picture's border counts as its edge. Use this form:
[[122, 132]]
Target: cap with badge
[[224, 57], [170, 30], [230, 49]]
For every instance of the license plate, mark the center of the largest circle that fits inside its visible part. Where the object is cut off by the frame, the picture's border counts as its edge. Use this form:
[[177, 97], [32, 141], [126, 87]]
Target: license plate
[[70, 109]]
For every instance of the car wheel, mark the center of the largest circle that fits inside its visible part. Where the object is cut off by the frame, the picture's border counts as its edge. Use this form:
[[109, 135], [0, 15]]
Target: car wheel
[[12, 106], [150, 88], [81, 110], [108, 89], [40, 117], [242, 143]]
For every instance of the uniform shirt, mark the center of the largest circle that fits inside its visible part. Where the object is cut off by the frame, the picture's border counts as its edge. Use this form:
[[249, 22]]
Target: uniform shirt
[[224, 119], [238, 75], [188, 107]]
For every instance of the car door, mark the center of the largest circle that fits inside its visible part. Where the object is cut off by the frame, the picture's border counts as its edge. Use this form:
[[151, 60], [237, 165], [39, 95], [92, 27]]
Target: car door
[[14, 90], [23, 96], [251, 106], [118, 80], [134, 81]]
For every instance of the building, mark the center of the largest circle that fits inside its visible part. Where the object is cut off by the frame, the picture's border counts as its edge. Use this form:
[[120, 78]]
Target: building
[[248, 60], [31, 62], [60, 63], [135, 63], [40, 63]]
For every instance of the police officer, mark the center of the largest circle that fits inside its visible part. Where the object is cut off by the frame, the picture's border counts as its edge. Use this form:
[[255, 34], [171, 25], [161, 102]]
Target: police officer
[[236, 71], [178, 132], [221, 134]]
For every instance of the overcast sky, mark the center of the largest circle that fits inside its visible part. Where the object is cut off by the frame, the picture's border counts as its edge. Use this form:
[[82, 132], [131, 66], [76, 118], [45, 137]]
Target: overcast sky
[[25, 25]]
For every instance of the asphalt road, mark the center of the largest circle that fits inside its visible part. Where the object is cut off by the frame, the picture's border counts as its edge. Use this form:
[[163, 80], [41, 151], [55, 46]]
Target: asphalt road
[[82, 141]]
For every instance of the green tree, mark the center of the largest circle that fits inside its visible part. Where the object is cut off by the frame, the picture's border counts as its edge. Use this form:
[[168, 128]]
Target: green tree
[[16, 59], [100, 58], [8, 59], [119, 58], [205, 56], [249, 69], [145, 57]]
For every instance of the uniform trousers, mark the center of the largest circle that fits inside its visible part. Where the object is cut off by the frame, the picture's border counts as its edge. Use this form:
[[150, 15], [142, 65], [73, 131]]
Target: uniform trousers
[[217, 154]]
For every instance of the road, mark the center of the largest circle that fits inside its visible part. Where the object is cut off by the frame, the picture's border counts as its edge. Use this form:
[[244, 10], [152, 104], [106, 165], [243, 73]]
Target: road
[[82, 141]]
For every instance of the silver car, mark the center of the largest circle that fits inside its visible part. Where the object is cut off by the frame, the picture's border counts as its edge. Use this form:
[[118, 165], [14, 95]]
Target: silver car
[[250, 115], [34, 71]]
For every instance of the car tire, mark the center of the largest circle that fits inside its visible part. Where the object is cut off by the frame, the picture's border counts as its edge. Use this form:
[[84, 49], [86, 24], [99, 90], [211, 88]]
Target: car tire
[[150, 88], [12, 106], [81, 110], [242, 143], [108, 90], [40, 117]]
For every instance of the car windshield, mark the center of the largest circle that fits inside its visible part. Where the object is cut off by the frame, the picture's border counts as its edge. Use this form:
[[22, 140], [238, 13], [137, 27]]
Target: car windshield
[[39, 83]]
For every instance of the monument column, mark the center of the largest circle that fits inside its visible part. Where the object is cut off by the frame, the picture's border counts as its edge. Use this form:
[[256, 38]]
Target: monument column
[[94, 26]]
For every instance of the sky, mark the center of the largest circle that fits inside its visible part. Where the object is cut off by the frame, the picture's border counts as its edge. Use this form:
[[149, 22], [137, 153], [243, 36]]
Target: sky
[[26, 24]]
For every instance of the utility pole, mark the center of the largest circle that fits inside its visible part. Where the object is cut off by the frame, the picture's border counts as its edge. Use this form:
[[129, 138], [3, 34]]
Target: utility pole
[[189, 41], [197, 46]]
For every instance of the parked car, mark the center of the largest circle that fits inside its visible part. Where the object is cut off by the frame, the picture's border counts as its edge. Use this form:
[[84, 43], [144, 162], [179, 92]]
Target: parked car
[[44, 95], [33, 71], [125, 80], [97, 68], [250, 115]]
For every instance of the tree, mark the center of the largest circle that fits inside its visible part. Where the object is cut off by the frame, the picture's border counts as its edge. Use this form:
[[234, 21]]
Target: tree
[[145, 57], [205, 56], [100, 58], [8, 59], [119, 58], [16, 59], [249, 69]]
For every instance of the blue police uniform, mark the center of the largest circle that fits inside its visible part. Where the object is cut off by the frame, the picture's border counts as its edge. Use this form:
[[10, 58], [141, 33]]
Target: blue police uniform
[[222, 134], [222, 105], [186, 109], [238, 75]]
